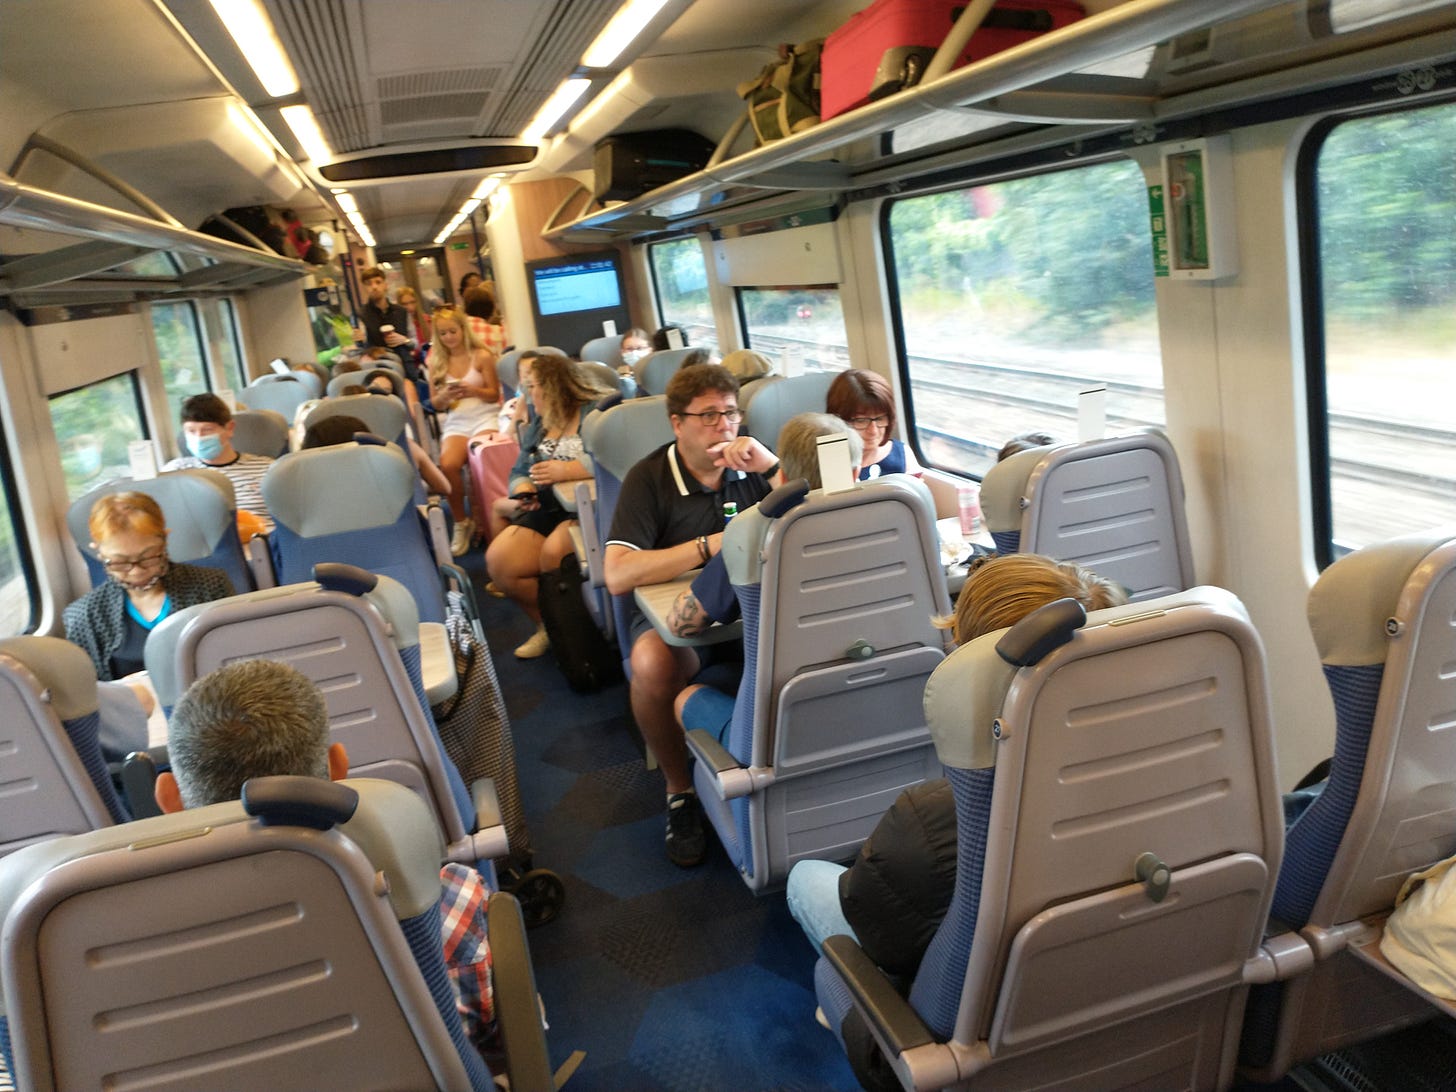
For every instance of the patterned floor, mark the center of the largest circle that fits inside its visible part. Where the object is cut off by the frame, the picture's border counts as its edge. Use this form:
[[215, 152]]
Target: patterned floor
[[669, 979]]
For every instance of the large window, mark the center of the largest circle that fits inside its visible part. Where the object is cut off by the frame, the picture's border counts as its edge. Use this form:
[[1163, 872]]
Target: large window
[[680, 278], [179, 347], [93, 426], [17, 603], [799, 329], [1385, 203], [1017, 296]]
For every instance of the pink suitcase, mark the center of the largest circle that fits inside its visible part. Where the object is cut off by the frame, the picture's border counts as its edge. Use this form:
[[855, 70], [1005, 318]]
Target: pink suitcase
[[491, 458], [887, 45]]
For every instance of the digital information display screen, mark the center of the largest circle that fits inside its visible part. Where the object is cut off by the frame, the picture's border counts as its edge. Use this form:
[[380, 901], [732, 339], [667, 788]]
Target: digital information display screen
[[581, 286]]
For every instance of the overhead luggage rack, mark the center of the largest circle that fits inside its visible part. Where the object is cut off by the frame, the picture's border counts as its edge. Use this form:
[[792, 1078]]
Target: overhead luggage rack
[[113, 238], [1060, 79]]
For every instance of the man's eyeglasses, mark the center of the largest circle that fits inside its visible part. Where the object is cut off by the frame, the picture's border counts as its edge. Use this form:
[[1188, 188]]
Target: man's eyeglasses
[[713, 418], [117, 566], [859, 424]]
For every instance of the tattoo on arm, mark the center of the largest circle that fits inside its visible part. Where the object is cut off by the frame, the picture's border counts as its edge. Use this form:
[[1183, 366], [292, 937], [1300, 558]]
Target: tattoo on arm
[[687, 616]]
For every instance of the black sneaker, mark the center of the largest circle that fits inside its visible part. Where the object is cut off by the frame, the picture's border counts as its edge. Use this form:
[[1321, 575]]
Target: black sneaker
[[687, 841]]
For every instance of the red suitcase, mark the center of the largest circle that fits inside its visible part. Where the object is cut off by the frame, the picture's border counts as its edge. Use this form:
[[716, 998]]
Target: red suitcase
[[887, 46]]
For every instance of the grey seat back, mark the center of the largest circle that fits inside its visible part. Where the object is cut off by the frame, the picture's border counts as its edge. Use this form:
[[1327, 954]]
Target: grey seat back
[[604, 350], [355, 647], [201, 514], [385, 416], [1114, 505], [653, 372], [1080, 755], [54, 781], [768, 403], [838, 644], [600, 375], [1384, 621], [261, 432], [205, 949], [281, 394]]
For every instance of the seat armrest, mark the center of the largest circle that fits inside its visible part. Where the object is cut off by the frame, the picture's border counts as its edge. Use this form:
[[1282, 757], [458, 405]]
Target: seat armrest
[[489, 840], [434, 517], [731, 779], [894, 1023], [260, 562], [586, 518], [517, 1009], [138, 783], [437, 663]]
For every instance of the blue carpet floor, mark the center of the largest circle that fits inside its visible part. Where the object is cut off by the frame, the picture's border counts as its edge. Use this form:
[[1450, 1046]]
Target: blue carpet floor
[[678, 980]]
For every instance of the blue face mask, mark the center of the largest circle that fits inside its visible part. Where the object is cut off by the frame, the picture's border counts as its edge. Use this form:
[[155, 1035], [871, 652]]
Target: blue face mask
[[631, 356], [206, 448]]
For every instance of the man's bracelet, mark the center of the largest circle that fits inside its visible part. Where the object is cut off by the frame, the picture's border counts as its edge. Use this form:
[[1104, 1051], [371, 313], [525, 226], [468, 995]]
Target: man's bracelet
[[771, 471], [703, 548]]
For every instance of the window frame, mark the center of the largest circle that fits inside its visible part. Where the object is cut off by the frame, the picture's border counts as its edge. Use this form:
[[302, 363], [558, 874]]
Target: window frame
[[137, 395], [16, 515], [1313, 317], [663, 319]]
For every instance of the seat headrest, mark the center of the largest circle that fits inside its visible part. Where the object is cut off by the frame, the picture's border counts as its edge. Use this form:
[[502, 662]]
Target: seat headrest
[[198, 505], [332, 490], [60, 667], [385, 416], [1352, 599], [392, 826], [967, 691], [298, 801], [1004, 486], [619, 437]]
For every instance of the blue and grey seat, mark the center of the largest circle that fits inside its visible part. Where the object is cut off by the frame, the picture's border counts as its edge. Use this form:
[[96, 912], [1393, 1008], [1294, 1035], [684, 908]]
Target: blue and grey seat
[[261, 432], [616, 437], [653, 371], [1114, 505], [768, 403], [355, 504], [279, 393], [290, 940], [54, 780], [1119, 832], [604, 350], [1382, 619], [201, 515], [838, 593], [358, 637], [386, 417]]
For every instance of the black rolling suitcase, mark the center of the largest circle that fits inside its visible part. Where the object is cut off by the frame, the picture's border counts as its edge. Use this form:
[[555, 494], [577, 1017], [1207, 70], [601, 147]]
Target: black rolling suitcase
[[587, 659], [629, 164]]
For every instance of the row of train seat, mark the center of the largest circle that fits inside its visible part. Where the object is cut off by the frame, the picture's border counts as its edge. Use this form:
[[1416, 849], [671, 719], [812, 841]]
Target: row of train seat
[[290, 940], [1124, 879]]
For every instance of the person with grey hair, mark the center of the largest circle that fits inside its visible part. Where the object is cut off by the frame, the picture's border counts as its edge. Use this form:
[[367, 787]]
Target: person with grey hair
[[261, 718], [711, 597]]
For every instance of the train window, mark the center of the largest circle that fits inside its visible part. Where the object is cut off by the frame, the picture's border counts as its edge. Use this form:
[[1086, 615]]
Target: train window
[[220, 320], [94, 424], [1015, 297], [179, 347], [680, 281], [800, 328], [17, 603], [1384, 201]]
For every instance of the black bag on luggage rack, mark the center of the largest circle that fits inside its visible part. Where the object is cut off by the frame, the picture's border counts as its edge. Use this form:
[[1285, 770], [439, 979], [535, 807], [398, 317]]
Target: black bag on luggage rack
[[627, 165], [587, 659]]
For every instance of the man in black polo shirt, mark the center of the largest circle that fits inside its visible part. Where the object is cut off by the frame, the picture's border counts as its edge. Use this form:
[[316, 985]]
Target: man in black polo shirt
[[378, 312], [669, 519]]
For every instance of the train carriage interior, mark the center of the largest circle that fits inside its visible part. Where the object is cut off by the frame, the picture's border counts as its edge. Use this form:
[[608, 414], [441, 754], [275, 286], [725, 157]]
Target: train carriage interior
[[1213, 241]]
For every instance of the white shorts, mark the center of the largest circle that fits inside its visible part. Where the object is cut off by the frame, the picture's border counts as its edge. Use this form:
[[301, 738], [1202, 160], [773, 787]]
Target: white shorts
[[470, 416]]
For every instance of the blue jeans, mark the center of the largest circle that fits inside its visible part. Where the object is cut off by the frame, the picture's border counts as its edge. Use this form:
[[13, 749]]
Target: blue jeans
[[813, 897]]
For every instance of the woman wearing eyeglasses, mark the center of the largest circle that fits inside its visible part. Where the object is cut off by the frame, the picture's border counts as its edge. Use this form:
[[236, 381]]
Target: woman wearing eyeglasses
[[866, 403], [112, 622]]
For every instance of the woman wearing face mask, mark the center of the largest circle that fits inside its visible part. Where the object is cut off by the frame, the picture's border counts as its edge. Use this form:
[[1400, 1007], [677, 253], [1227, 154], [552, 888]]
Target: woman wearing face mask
[[635, 347], [112, 622]]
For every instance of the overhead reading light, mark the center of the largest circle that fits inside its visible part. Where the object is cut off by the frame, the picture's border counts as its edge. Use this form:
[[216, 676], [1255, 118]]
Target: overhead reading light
[[618, 34], [561, 100], [251, 29], [306, 128]]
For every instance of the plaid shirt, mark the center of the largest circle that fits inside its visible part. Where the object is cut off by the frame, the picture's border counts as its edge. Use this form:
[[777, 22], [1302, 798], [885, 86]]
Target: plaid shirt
[[467, 951]]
